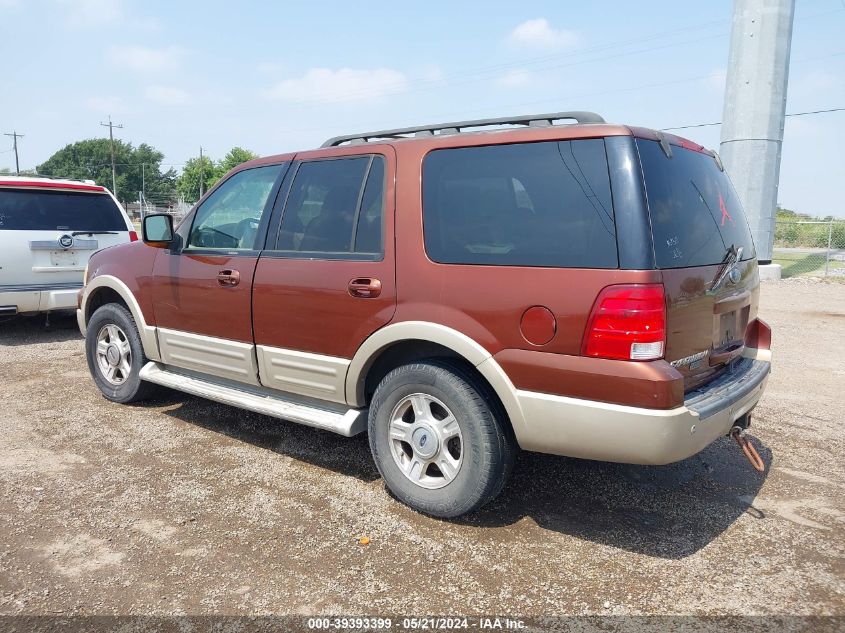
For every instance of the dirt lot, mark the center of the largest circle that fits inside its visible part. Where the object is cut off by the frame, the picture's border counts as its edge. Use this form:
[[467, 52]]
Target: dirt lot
[[185, 506]]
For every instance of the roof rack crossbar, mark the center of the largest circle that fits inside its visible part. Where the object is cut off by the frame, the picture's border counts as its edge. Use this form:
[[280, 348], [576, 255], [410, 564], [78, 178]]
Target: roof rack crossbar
[[532, 120]]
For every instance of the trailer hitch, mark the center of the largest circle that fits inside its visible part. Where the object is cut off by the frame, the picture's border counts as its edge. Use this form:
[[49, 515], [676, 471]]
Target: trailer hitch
[[740, 436]]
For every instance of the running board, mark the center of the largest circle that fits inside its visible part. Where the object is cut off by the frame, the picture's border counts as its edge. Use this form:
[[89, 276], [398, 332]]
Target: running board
[[342, 420]]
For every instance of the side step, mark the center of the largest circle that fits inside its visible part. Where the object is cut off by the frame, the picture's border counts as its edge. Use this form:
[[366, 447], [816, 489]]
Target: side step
[[341, 420]]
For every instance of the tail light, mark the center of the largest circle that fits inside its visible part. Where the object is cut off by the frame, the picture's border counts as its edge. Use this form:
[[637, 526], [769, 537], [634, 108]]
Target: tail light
[[133, 236], [628, 322]]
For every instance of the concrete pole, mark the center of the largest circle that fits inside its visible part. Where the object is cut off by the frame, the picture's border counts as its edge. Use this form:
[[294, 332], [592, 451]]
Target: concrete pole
[[755, 104]]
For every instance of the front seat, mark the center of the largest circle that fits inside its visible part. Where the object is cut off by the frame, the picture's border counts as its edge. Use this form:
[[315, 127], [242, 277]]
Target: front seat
[[331, 230]]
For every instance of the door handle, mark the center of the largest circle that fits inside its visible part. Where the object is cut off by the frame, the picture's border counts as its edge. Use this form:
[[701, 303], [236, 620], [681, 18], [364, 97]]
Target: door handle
[[228, 278], [365, 287]]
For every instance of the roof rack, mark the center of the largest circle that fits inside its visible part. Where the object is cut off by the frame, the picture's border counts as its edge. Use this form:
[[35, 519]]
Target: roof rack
[[531, 120]]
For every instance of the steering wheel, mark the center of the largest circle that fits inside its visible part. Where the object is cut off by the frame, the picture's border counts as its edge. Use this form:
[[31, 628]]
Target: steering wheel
[[246, 223]]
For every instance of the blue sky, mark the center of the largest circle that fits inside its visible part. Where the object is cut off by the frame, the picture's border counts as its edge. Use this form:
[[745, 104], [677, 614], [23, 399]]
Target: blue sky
[[281, 76]]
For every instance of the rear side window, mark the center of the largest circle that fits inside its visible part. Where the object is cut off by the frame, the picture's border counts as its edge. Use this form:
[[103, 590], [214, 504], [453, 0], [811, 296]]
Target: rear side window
[[528, 204], [696, 216], [32, 210], [335, 206]]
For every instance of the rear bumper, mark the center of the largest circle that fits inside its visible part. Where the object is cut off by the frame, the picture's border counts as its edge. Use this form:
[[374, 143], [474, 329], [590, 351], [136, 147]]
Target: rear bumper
[[37, 299], [616, 433]]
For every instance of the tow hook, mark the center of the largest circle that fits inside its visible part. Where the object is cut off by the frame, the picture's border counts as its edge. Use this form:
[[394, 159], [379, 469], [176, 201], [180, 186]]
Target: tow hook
[[740, 436]]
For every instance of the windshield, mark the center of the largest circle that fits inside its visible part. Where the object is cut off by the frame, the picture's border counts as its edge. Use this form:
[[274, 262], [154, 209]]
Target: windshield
[[696, 217], [32, 210]]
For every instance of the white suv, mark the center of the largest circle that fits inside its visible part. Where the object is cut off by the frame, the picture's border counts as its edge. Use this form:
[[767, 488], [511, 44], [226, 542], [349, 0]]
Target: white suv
[[48, 230]]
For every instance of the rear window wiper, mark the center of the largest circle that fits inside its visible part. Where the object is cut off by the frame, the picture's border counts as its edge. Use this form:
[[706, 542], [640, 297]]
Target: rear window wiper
[[94, 233], [733, 255]]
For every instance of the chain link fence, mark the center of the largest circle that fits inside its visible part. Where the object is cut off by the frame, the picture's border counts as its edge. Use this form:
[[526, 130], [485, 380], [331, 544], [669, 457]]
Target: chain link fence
[[810, 248], [136, 210]]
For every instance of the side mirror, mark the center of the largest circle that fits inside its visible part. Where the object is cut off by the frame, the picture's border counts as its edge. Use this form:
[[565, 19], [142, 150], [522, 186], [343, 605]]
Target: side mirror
[[157, 229]]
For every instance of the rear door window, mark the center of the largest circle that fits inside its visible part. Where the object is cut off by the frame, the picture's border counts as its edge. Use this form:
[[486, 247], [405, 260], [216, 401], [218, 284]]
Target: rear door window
[[32, 210], [696, 216], [527, 204], [336, 207]]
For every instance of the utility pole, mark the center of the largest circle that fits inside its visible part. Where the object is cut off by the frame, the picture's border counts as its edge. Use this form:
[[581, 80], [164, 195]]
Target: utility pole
[[143, 183], [16, 136], [111, 125], [753, 118], [202, 172]]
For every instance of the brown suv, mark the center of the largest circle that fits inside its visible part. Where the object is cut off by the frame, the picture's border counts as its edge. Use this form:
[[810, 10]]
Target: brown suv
[[587, 290]]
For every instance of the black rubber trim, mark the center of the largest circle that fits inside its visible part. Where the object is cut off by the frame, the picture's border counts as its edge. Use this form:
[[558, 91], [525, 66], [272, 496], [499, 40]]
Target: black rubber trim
[[740, 379], [633, 227]]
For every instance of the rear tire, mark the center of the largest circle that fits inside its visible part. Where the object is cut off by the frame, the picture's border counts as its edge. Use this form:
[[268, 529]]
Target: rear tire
[[439, 440], [115, 355]]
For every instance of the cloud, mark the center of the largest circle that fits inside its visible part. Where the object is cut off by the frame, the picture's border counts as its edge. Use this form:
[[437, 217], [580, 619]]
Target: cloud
[[515, 79], [92, 13], [538, 34], [144, 60], [168, 95], [344, 84]]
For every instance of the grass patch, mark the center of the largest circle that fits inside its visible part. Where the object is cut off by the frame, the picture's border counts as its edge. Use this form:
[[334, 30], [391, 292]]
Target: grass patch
[[797, 264]]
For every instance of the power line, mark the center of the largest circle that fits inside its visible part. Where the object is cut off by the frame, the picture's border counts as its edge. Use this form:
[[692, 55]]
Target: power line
[[465, 113], [422, 85], [202, 172], [392, 89], [15, 136], [687, 127]]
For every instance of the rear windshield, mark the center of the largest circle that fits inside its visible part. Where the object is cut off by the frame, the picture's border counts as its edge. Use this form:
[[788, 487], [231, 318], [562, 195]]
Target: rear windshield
[[695, 213], [526, 204], [29, 210]]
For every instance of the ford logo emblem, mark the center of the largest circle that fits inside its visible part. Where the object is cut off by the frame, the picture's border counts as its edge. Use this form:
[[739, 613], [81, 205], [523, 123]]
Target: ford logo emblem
[[66, 241], [423, 440], [734, 276]]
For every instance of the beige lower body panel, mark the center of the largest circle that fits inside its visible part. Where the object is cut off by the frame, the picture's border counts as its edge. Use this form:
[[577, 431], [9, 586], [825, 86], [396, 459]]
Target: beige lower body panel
[[303, 373], [615, 433], [215, 356]]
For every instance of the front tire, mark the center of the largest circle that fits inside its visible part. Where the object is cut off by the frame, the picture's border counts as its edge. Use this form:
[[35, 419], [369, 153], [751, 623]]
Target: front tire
[[115, 355], [439, 440]]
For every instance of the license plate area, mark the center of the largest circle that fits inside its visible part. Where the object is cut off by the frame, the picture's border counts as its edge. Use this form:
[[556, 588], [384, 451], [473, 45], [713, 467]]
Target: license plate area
[[64, 258], [729, 327]]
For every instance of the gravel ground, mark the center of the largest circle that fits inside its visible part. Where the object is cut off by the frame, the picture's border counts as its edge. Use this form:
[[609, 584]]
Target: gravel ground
[[183, 506]]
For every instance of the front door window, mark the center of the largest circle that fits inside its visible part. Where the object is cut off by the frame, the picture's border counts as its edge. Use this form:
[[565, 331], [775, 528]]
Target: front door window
[[228, 219]]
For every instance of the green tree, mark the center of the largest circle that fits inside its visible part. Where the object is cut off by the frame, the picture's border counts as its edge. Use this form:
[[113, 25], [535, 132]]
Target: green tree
[[146, 174], [235, 157], [188, 182], [136, 169]]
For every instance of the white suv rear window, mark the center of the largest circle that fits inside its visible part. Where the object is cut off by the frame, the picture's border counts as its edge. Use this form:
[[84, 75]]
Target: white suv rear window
[[30, 210]]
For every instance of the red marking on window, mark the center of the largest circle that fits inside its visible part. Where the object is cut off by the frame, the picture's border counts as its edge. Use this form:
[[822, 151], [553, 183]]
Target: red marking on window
[[724, 209]]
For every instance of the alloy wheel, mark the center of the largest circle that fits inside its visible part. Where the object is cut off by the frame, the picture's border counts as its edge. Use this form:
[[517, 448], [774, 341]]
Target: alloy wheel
[[426, 441]]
